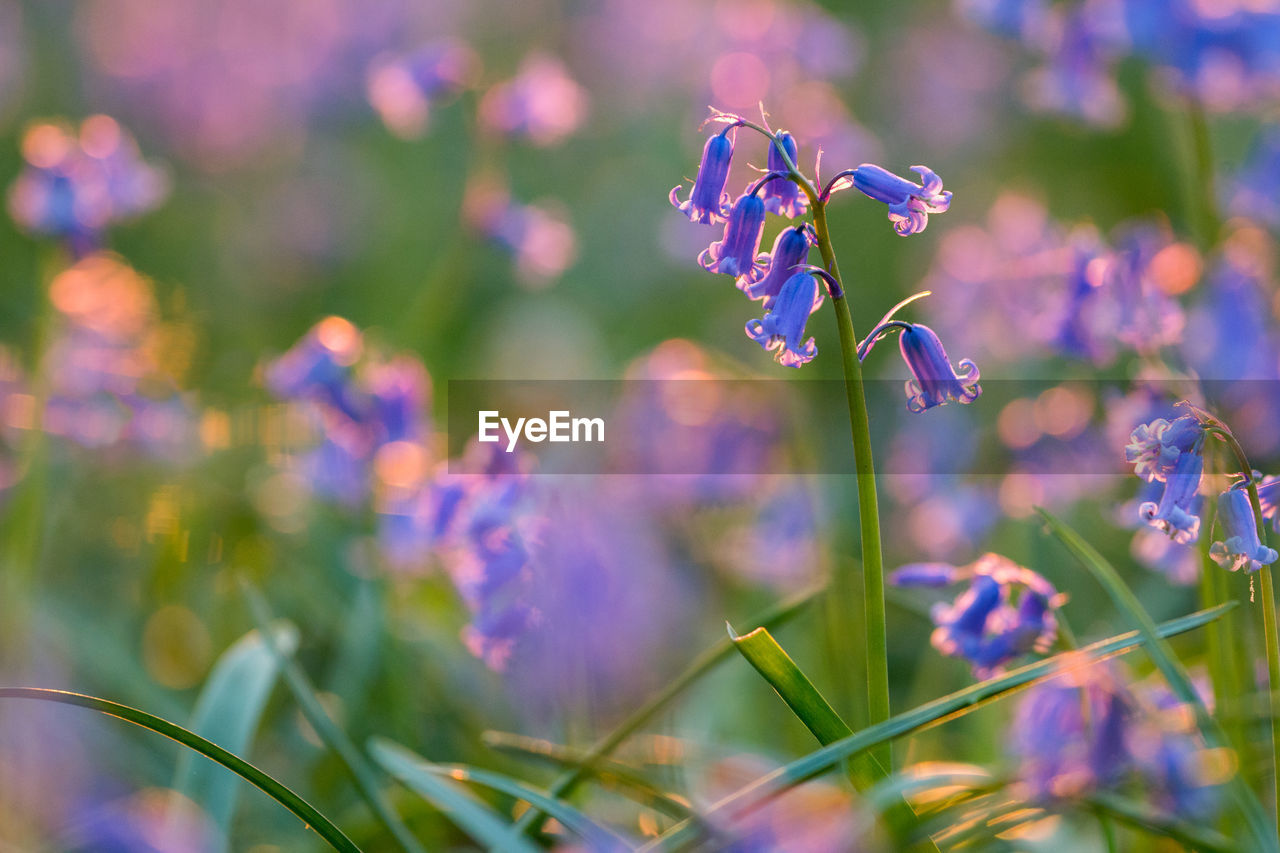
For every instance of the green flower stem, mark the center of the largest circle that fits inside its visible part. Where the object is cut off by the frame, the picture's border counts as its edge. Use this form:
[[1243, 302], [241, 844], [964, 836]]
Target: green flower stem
[[876, 639]]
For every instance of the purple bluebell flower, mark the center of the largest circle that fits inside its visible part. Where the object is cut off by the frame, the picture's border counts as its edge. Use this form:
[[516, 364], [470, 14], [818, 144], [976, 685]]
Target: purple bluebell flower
[[404, 88], [1072, 732], [1269, 498], [934, 381], [1241, 548], [782, 329], [319, 368], [1006, 612], [708, 203], [791, 248], [542, 103], [1255, 191], [1177, 512], [1155, 448], [738, 253], [909, 203], [783, 197]]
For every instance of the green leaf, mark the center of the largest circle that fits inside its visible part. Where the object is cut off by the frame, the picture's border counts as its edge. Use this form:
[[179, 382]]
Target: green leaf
[[362, 773], [613, 774], [227, 712], [929, 714], [274, 789], [455, 802], [574, 820], [1170, 667]]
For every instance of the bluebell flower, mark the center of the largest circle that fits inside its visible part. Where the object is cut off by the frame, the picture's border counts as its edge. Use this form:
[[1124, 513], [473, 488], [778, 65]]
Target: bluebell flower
[[1241, 548], [1072, 732], [1269, 498], [738, 253], [1155, 448], [784, 197], [1006, 612], [909, 203], [1177, 512], [782, 329], [790, 249], [319, 368], [934, 381], [708, 203], [1171, 756], [1255, 191]]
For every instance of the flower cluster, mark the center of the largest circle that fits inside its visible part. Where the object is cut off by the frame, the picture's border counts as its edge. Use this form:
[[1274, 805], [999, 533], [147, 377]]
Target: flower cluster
[[1172, 453], [1087, 730], [1006, 612], [77, 183], [790, 290]]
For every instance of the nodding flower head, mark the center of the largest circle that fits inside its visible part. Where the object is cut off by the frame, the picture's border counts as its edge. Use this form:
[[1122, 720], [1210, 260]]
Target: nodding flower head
[[782, 329], [708, 203], [738, 254], [1176, 514], [1154, 448], [1269, 497], [1241, 548], [934, 380], [1006, 612], [909, 203], [784, 197], [790, 249]]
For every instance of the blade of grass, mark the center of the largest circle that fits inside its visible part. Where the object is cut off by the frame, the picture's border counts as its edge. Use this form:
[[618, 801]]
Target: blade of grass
[[1170, 667], [1138, 816], [455, 802], [228, 711], [600, 837], [267, 784], [361, 772], [929, 714], [613, 774], [701, 665]]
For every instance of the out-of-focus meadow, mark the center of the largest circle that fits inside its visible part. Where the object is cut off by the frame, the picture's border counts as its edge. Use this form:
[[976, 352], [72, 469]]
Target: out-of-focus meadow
[[249, 244]]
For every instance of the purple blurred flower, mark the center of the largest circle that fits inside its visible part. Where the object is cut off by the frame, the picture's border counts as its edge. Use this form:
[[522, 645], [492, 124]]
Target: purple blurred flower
[[1254, 192], [77, 184], [909, 203], [738, 252], [404, 88], [791, 248], [1269, 498], [782, 329], [1006, 612], [1078, 75], [708, 203], [1072, 732], [1180, 563], [783, 197], [1177, 512], [934, 381], [1241, 548], [542, 103]]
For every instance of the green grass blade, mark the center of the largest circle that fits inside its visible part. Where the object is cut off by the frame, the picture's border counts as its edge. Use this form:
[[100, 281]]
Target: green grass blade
[[1140, 817], [614, 775], [361, 772], [931, 713], [1170, 667], [776, 667], [600, 837], [468, 813], [704, 663], [268, 785], [227, 712]]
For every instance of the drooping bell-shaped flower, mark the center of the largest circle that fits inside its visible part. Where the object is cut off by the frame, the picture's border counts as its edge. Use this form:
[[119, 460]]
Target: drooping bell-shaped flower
[[782, 329], [790, 249], [1177, 512], [1154, 448], [738, 253], [784, 198], [909, 203], [934, 381], [708, 203], [1006, 612], [1241, 548]]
